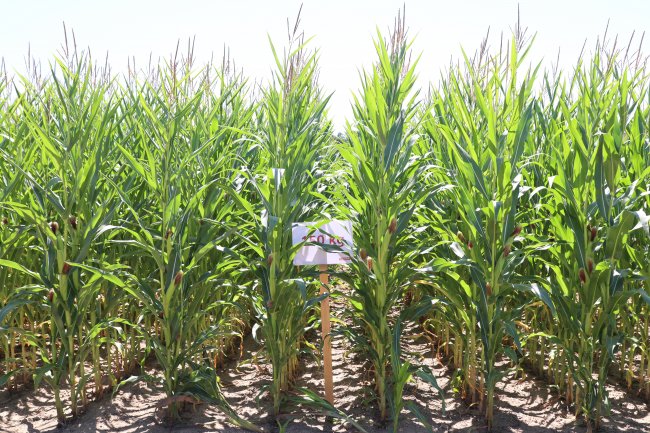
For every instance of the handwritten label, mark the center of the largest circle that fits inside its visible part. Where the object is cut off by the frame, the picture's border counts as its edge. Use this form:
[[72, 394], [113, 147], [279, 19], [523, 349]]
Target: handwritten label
[[335, 233]]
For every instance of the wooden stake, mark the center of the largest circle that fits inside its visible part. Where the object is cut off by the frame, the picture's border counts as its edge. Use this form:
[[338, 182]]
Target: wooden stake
[[327, 342]]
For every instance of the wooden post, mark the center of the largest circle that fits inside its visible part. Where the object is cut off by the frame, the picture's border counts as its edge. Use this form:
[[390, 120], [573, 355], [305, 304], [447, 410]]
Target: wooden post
[[327, 341]]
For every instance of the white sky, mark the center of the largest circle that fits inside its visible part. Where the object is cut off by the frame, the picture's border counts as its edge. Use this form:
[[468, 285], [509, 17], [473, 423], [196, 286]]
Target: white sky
[[343, 31]]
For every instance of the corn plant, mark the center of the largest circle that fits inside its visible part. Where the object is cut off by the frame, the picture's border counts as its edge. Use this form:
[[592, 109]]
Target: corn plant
[[480, 128], [382, 191], [13, 237], [65, 211], [293, 130], [177, 157], [597, 207]]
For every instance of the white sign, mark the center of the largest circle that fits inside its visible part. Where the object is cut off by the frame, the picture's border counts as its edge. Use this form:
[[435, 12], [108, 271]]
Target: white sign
[[337, 233]]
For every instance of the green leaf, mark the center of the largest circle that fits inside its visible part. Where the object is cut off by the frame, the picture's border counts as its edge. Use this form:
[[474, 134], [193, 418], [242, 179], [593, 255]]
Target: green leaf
[[602, 196], [19, 267]]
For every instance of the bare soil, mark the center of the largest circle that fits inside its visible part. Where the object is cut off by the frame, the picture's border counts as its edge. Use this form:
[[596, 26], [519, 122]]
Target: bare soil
[[527, 405]]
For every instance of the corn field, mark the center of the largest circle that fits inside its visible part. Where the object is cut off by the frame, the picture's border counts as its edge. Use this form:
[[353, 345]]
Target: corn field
[[502, 216]]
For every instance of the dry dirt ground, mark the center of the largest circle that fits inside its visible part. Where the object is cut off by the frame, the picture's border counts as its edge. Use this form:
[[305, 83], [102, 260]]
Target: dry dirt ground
[[522, 405]]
